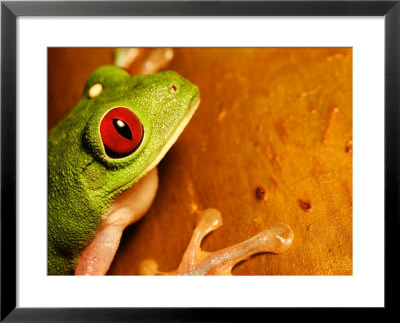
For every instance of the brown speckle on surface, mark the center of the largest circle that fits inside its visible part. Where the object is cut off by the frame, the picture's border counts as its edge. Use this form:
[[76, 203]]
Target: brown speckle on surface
[[349, 147], [306, 206], [260, 193], [256, 142]]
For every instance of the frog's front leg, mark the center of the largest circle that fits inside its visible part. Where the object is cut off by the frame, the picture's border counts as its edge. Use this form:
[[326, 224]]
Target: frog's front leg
[[128, 208], [277, 239]]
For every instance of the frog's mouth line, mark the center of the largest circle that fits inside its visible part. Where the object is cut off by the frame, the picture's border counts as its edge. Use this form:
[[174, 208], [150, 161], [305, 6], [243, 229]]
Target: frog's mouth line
[[179, 129], [175, 135]]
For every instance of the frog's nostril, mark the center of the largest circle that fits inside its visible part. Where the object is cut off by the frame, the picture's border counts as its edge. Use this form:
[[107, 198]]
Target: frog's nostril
[[172, 89]]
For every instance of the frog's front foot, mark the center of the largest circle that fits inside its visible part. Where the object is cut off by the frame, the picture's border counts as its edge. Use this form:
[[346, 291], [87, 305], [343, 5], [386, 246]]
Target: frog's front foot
[[277, 239]]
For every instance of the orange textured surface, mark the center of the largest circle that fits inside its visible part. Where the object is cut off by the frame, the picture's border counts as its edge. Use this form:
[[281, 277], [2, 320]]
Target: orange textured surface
[[271, 142]]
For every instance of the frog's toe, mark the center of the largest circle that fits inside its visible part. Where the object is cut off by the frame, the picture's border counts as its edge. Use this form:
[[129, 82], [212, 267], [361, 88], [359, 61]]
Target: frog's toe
[[276, 239]]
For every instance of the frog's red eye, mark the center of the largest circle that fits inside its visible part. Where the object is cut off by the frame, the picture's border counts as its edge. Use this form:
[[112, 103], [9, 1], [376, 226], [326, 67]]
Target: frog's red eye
[[121, 132]]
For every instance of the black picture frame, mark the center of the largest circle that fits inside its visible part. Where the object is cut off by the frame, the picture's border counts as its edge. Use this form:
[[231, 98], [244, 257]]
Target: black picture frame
[[10, 10]]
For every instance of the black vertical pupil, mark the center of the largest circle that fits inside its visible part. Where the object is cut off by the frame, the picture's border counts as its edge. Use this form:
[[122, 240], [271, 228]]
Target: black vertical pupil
[[122, 128]]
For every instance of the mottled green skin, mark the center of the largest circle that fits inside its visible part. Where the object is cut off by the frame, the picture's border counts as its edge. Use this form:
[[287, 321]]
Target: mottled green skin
[[83, 180]]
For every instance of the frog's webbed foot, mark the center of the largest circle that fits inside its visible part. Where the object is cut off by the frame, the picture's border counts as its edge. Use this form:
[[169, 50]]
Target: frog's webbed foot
[[140, 61], [277, 239]]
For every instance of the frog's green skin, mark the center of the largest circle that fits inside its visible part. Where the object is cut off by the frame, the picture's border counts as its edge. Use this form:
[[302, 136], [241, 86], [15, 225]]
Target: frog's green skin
[[83, 180]]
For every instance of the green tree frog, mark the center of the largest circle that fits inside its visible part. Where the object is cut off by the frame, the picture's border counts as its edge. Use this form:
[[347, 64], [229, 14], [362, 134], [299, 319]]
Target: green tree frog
[[102, 174]]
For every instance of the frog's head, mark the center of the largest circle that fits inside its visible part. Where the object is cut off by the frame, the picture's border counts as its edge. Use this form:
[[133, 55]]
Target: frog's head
[[132, 122]]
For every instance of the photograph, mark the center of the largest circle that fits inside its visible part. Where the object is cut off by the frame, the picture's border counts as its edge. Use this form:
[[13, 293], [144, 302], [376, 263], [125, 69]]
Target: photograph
[[200, 161], [197, 159]]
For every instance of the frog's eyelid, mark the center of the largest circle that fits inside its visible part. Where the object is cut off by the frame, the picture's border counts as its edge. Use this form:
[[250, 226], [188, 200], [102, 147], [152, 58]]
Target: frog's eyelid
[[95, 90]]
